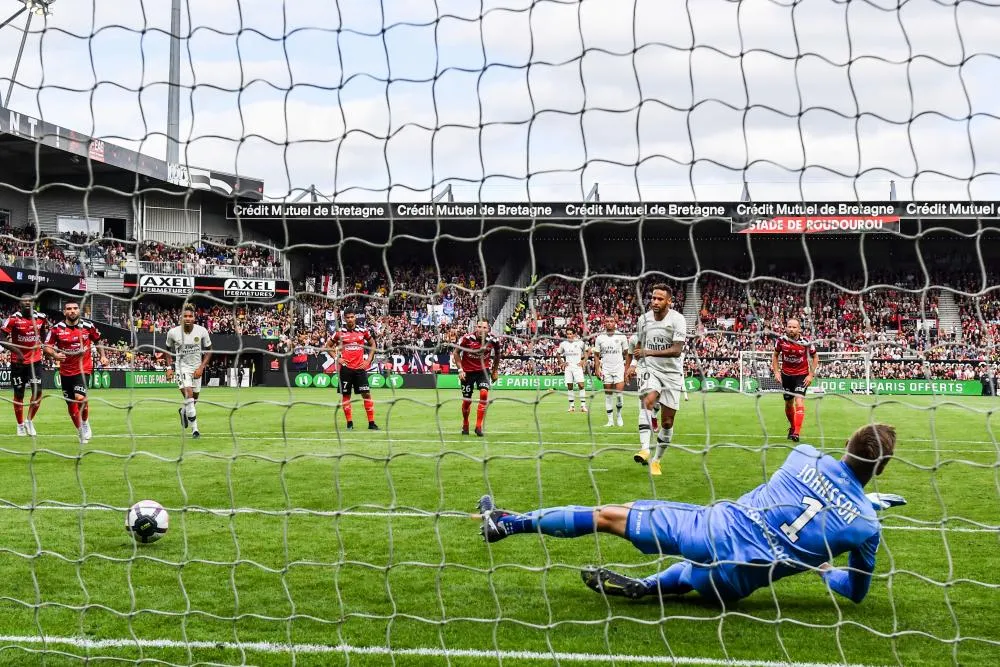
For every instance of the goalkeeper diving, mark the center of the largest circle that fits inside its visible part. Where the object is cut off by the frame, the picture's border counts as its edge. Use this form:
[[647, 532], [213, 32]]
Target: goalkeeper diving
[[812, 509]]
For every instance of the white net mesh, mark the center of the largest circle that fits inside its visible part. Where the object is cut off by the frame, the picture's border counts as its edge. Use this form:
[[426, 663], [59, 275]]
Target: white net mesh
[[296, 541]]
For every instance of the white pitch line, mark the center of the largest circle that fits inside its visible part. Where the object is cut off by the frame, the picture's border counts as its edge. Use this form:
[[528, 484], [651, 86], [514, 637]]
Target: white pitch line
[[275, 648], [403, 514]]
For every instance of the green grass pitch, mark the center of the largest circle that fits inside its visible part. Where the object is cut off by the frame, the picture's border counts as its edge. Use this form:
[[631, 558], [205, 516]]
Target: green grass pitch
[[356, 539]]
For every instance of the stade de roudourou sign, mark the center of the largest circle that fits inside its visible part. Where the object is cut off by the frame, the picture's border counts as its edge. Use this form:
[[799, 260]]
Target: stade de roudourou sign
[[745, 217], [182, 285]]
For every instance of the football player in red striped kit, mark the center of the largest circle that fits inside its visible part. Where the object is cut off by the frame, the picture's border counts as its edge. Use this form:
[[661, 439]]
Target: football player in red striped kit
[[23, 333], [470, 357], [794, 363], [348, 346]]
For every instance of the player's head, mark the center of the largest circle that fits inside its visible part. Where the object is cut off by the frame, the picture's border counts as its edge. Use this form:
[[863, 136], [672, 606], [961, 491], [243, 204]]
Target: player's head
[[350, 319], [610, 324], [482, 328], [187, 317], [793, 328], [661, 298], [26, 302], [570, 334], [869, 450], [71, 311]]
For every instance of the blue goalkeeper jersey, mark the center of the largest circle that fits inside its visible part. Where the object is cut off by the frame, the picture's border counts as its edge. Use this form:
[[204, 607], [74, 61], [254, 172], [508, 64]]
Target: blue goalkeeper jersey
[[811, 510]]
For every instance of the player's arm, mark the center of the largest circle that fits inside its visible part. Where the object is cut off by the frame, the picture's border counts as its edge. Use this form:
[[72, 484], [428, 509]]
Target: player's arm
[[206, 356], [371, 349], [776, 361], [630, 359], [813, 364], [676, 349], [49, 349], [597, 360], [495, 367], [853, 584], [456, 358]]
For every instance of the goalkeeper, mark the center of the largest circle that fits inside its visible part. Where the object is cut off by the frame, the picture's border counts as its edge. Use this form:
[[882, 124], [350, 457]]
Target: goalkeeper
[[813, 509]]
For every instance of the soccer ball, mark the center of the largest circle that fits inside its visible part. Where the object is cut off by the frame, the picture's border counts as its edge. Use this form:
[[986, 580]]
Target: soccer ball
[[147, 521]]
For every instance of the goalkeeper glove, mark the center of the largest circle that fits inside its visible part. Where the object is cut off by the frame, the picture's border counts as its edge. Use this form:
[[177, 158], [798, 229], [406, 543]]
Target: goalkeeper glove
[[883, 501]]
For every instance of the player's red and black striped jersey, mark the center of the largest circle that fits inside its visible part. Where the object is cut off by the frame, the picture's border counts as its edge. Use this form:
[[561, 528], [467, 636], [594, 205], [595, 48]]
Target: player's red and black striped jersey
[[353, 347], [474, 352], [27, 333], [88, 358], [73, 341], [794, 355]]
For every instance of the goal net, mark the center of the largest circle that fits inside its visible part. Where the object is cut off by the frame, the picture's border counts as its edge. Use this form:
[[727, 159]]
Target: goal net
[[412, 170]]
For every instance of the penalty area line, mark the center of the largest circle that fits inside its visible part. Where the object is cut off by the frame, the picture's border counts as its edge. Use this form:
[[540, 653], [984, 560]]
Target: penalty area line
[[318, 649]]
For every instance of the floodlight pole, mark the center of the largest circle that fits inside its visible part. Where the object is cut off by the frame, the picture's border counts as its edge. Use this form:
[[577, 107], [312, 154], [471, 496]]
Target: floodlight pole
[[174, 85], [594, 195], [20, 51], [445, 194]]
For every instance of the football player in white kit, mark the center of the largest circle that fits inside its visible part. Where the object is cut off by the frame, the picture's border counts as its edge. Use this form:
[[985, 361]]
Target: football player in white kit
[[610, 349], [191, 347], [660, 335], [574, 354]]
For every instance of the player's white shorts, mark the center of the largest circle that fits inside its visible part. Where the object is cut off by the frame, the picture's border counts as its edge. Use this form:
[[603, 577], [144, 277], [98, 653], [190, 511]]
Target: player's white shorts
[[612, 376], [573, 375], [670, 387], [187, 380]]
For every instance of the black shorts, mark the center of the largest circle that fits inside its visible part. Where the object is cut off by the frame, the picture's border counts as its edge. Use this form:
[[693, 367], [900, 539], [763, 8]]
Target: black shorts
[[353, 378], [25, 375], [73, 385], [475, 380], [794, 385]]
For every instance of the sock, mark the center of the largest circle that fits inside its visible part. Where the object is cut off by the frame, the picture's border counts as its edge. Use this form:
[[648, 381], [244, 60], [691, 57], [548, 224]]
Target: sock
[[189, 409], [346, 402], [481, 408], [33, 408], [74, 413], [583, 398], [370, 409], [653, 420], [85, 411], [800, 415], [790, 413], [619, 403], [663, 438], [19, 411], [609, 405], [644, 432], [466, 409], [675, 580], [569, 521], [569, 395]]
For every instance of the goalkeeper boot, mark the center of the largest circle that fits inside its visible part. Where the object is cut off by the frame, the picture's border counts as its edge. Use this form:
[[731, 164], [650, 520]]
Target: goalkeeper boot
[[492, 529], [604, 581], [641, 457]]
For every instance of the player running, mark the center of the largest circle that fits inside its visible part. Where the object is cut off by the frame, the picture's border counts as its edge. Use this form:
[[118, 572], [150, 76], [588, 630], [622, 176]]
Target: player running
[[794, 364], [659, 349], [68, 342], [469, 356], [813, 509], [189, 349], [574, 354], [348, 346], [610, 349], [22, 334]]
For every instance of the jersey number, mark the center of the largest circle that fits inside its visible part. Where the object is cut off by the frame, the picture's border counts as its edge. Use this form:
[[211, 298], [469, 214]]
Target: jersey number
[[791, 530]]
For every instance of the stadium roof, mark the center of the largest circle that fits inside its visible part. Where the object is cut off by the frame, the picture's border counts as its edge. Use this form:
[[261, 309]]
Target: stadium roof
[[64, 155]]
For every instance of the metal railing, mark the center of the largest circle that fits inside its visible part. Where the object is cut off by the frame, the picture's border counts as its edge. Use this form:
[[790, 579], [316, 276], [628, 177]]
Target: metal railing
[[219, 270], [36, 264]]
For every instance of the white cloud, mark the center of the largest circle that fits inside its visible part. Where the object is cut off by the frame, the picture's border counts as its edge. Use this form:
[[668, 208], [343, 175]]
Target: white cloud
[[666, 99]]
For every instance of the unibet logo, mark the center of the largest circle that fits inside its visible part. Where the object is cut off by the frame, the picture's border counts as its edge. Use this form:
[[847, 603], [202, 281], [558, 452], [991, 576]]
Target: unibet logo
[[396, 381], [376, 381], [303, 380], [321, 380]]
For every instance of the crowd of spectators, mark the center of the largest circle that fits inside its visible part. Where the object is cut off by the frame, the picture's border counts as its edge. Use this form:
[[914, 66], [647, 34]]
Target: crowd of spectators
[[22, 247], [209, 256]]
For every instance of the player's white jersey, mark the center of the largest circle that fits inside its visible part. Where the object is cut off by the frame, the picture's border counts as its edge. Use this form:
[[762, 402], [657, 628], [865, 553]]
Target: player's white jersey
[[572, 351], [187, 347], [653, 334], [612, 348]]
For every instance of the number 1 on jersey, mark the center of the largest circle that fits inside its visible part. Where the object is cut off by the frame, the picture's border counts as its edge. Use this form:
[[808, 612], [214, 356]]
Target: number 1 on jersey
[[791, 530]]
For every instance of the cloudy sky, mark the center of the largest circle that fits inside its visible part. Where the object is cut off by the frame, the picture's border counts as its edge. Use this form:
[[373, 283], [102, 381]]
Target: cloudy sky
[[514, 99]]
